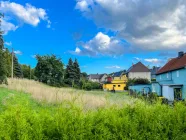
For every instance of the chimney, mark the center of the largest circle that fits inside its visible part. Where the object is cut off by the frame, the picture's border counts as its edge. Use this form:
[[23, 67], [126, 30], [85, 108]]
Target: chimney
[[180, 54]]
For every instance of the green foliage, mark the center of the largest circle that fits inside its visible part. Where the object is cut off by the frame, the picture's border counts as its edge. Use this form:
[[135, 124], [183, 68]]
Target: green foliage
[[17, 68], [49, 70], [95, 85], [23, 118], [3, 71], [28, 72], [87, 86], [72, 73], [136, 81], [8, 62], [77, 72], [139, 81], [69, 73]]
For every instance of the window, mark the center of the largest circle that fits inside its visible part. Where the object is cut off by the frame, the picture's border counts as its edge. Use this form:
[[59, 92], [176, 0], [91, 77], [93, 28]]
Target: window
[[114, 85], [178, 74], [167, 75], [119, 85], [160, 77]]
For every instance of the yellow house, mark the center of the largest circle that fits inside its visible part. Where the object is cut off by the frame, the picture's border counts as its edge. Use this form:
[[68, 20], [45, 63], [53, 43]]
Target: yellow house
[[118, 82]]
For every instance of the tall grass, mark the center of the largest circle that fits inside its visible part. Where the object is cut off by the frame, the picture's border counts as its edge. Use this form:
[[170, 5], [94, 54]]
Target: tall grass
[[23, 118], [89, 99]]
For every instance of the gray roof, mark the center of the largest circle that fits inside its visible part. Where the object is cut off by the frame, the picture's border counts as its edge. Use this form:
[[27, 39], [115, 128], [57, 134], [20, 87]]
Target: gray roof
[[154, 70], [139, 67], [96, 76], [118, 74]]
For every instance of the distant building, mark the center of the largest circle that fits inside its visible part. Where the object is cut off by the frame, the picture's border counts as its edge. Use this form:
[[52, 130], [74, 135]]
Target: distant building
[[117, 82], [153, 71], [139, 70], [100, 78]]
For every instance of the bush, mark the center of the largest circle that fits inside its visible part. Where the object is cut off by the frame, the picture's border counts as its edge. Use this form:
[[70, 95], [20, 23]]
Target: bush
[[95, 85], [87, 86]]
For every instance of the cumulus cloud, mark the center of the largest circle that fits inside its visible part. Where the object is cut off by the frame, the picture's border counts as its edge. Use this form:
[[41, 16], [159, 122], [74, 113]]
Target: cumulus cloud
[[25, 14], [7, 26], [101, 44], [18, 52], [149, 25], [113, 67], [82, 5], [153, 60]]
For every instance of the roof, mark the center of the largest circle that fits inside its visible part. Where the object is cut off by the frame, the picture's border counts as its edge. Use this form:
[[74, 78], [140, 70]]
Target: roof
[[174, 64], [154, 70], [118, 74], [139, 67], [96, 76]]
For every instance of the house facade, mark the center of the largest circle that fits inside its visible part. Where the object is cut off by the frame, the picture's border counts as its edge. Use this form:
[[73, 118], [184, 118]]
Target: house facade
[[139, 70], [153, 71], [117, 83], [172, 78], [100, 78]]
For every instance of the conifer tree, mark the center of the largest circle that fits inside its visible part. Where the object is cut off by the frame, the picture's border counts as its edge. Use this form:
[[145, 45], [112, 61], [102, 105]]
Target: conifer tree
[[8, 59], [77, 72], [3, 71], [69, 73], [17, 68]]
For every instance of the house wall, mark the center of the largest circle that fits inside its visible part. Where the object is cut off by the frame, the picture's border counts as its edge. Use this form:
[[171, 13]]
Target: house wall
[[118, 86], [141, 88], [94, 80], [174, 78], [146, 75], [103, 79], [156, 88]]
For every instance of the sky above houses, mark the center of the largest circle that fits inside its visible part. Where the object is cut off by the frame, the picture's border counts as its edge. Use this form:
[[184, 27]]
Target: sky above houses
[[104, 35]]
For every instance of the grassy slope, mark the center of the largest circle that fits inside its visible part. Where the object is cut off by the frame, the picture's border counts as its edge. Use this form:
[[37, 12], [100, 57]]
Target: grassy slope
[[22, 117]]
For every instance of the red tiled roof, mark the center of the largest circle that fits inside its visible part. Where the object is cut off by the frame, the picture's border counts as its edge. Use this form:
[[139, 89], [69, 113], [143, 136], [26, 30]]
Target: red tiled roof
[[174, 64]]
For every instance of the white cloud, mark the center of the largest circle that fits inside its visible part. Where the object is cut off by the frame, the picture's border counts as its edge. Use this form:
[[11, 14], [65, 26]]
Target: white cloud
[[25, 14], [137, 58], [102, 44], [148, 25], [7, 26], [8, 43], [82, 5], [113, 67], [18, 52], [153, 60]]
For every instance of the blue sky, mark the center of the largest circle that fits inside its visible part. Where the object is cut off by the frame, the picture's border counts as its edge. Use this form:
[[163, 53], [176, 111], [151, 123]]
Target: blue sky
[[104, 35]]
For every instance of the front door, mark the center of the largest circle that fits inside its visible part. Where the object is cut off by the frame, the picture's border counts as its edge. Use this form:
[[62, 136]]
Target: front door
[[177, 94]]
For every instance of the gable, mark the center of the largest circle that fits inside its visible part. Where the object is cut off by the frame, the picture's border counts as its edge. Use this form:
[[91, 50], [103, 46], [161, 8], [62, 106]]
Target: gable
[[139, 67]]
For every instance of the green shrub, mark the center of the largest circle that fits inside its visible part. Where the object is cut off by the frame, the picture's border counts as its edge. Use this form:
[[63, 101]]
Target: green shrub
[[87, 86]]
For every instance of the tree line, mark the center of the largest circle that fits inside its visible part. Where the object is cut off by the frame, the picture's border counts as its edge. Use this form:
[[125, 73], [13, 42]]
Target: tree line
[[49, 70]]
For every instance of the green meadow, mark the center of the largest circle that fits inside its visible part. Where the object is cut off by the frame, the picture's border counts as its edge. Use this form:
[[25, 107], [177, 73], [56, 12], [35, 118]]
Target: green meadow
[[24, 117]]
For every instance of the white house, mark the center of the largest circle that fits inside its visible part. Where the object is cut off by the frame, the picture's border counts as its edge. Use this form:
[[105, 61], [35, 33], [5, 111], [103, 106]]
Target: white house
[[139, 70], [100, 78]]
